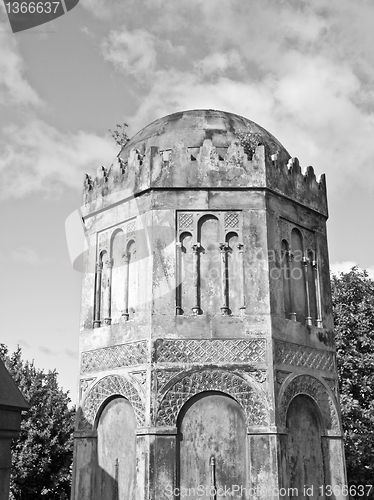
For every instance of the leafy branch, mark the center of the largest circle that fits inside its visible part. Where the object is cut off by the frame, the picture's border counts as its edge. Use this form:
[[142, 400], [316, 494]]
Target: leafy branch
[[249, 141], [119, 135]]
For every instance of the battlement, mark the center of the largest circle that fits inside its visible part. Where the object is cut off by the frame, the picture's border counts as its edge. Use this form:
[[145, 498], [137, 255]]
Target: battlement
[[208, 167]]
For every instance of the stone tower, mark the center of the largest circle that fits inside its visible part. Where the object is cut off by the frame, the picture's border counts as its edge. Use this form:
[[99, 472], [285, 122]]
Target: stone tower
[[207, 361]]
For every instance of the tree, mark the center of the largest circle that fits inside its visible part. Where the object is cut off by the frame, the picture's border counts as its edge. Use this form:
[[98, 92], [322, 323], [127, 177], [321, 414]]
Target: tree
[[353, 309], [119, 135], [42, 456], [249, 141]]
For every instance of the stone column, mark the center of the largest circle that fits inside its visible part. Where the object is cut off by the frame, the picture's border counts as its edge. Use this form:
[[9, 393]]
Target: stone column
[[178, 278], [289, 257], [318, 295], [84, 471], [125, 311], [107, 318], [241, 262], [319, 323], [225, 310], [195, 253], [308, 319], [99, 270], [163, 462]]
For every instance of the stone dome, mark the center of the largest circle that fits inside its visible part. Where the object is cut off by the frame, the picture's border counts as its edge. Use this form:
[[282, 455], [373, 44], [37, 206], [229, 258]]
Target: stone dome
[[204, 149], [192, 127]]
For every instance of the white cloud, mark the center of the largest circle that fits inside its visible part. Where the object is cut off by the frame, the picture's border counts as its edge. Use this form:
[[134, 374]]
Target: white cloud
[[28, 256], [220, 62], [346, 266], [37, 157], [14, 88], [133, 52], [302, 71]]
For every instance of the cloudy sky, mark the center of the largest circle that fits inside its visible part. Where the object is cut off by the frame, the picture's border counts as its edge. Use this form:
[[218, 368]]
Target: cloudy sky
[[304, 70]]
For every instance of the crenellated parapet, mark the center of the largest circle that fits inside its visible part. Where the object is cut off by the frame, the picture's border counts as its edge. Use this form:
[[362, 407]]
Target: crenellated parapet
[[208, 167]]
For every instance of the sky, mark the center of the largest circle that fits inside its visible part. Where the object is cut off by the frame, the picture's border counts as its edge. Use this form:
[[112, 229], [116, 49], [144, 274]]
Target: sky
[[303, 70]]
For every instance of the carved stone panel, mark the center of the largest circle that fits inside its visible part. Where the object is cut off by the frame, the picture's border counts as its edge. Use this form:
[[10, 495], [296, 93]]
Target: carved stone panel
[[231, 220], [105, 388], [252, 401], [314, 388], [211, 351], [134, 353], [103, 240], [84, 385], [140, 378], [305, 357], [130, 230], [164, 376], [284, 230], [185, 220]]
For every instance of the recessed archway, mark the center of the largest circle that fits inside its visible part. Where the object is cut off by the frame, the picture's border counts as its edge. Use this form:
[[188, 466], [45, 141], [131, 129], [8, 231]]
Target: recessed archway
[[212, 444]]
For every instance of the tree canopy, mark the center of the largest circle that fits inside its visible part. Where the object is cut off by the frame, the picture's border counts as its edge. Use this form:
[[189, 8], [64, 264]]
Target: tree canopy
[[353, 309], [42, 456]]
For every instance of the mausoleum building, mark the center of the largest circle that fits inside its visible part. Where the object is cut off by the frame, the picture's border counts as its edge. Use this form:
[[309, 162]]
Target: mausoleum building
[[207, 355]]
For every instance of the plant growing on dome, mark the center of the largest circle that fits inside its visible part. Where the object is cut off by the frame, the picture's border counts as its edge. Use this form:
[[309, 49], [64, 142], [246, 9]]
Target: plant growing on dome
[[119, 134], [249, 141]]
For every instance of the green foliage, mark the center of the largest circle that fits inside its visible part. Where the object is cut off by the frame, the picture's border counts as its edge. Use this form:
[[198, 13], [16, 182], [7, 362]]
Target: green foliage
[[42, 456], [119, 135], [353, 308], [249, 141]]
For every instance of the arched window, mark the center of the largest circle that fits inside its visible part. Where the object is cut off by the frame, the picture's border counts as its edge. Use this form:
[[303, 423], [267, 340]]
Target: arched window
[[212, 442], [185, 289], [286, 278], [234, 273], [298, 276], [116, 450], [210, 263], [105, 288], [118, 275], [210, 282], [304, 448], [311, 262], [132, 278]]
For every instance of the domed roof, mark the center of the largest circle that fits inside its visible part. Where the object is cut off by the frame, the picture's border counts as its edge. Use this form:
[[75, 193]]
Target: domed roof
[[192, 127], [204, 149]]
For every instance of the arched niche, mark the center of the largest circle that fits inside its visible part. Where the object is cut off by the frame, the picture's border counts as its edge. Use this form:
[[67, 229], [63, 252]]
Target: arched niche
[[116, 450], [177, 392], [210, 265], [312, 277], [316, 390], [212, 443], [234, 273], [305, 464], [286, 277], [104, 287], [107, 388], [118, 245], [298, 276], [186, 276], [132, 278]]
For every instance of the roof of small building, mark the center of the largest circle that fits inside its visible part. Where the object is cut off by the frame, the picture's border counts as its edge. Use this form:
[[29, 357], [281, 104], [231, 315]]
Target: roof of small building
[[10, 395], [192, 127]]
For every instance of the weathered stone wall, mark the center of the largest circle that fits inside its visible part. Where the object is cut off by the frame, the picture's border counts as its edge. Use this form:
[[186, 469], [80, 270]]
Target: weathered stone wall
[[206, 332]]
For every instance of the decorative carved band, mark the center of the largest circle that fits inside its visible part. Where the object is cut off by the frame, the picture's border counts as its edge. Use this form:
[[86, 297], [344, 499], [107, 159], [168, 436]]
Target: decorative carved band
[[211, 351], [314, 388], [105, 388], [252, 402], [305, 357], [134, 353]]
